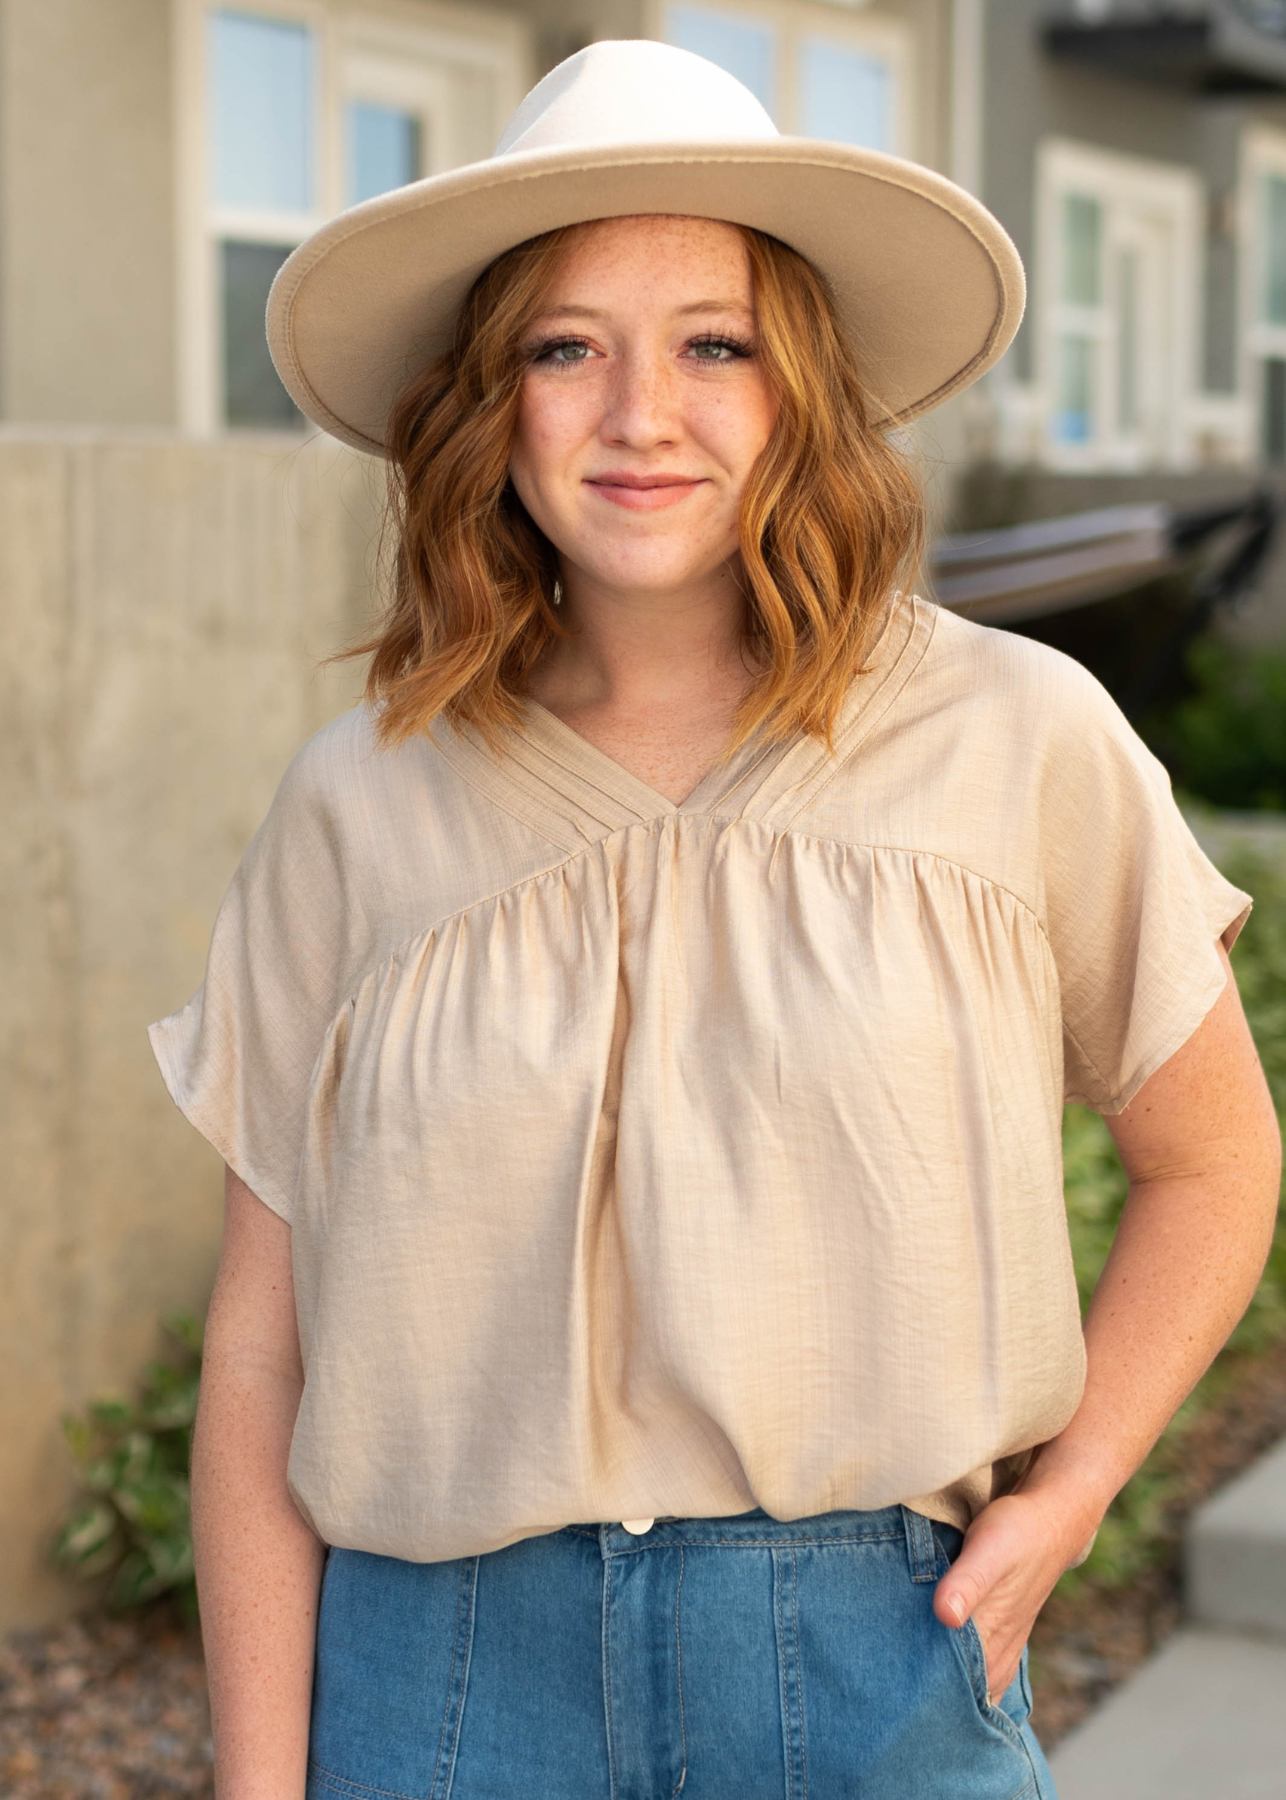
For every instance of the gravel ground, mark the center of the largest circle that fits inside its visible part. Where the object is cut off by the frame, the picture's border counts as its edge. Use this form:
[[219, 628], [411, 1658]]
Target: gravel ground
[[115, 1709], [105, 1709]]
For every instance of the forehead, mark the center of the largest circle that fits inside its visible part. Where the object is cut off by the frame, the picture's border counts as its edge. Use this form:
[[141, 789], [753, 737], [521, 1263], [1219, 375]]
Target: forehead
[[654, 253]]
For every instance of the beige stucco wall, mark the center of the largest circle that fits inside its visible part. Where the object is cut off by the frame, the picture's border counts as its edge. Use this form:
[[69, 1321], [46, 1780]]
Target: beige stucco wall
[[86, 212], [163, 606]]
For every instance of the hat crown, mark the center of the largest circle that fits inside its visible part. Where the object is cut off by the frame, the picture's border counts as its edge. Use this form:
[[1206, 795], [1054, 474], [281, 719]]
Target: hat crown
[[634, 91]]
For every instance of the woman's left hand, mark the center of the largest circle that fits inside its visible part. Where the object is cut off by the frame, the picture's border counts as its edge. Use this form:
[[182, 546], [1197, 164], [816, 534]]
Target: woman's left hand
[[1013, 1553]]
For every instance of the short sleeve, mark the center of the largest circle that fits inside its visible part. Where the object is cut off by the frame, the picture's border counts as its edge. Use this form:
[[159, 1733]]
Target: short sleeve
[[238, 1060], [1133, 907]]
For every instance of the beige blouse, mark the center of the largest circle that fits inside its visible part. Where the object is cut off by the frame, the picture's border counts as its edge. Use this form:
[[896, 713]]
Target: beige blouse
[[651, 1160]]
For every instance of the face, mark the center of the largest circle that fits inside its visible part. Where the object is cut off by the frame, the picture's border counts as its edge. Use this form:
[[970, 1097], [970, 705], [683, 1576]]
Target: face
[[644, 404]]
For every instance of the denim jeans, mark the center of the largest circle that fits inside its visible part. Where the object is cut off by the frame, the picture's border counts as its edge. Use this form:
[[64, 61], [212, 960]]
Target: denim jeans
[[726, 1659]]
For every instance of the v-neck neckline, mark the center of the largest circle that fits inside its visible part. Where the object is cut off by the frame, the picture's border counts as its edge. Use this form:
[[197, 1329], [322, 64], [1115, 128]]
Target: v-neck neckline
[[580, 755], [552, 778]]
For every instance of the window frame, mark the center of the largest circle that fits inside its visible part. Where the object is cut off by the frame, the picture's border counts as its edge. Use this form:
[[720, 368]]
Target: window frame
[[876, 34], [1130, 191], [360, 52], [1263, 154]]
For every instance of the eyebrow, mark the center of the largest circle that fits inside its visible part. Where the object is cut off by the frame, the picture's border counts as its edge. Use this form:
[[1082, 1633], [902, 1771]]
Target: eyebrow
[[574, 311]]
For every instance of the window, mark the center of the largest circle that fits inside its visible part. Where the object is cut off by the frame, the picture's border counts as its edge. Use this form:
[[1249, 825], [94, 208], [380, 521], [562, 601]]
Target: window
[[1074, 416], [1118, 266], [261, 74], [743, 47], [252, 392], [817, 74], [1274, 241], [295, 110], [383, 149], [846, 96], [1128, 411], [261, 161], [1267, 260], [1082, 317], [1274, 410]]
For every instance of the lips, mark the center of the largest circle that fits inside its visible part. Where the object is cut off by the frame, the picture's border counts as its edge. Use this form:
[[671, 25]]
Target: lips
[[643, 493]]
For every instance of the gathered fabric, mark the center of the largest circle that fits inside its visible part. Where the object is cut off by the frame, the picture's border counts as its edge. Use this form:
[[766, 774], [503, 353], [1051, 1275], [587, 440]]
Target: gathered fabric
[[646, 1159]]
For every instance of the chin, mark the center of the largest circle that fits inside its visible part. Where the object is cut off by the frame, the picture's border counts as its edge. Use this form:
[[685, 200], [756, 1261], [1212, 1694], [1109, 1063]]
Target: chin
[[651, 568], [652, 579]]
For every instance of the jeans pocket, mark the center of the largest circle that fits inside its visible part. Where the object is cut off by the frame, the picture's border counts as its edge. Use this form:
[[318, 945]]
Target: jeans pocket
[[1020, 1693], [1008, 1709], [1015, 1703], [394, 1641]]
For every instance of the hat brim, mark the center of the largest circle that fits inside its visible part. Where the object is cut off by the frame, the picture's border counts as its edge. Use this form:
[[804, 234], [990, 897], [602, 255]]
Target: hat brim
[[929, 287]]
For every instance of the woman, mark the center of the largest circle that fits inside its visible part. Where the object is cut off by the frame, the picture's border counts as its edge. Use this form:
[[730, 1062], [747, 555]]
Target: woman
[[638, 1037]]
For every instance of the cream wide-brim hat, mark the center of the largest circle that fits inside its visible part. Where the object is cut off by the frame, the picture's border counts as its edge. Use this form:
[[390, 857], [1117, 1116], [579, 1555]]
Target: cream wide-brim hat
[[929, 287]]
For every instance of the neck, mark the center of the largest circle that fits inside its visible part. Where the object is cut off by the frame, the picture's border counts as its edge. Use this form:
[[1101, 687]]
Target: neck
[[637, 650]]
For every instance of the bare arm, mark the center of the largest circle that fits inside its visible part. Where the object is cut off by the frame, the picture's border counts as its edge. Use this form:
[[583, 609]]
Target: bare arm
[[1202, 1152], [258, 1564]]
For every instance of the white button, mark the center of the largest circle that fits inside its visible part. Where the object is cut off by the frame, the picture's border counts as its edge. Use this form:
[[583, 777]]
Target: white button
[[637, 1527]]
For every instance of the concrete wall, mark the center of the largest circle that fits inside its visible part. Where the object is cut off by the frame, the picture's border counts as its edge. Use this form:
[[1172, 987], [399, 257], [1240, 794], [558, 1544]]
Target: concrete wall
[[163, 606], [87, 266]]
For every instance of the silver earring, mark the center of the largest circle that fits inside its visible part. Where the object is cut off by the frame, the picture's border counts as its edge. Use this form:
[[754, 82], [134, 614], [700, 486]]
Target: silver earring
[[558, 592]]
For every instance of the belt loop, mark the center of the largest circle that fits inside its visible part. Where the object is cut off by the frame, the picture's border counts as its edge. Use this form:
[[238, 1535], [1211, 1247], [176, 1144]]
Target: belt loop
[[921, 1546]]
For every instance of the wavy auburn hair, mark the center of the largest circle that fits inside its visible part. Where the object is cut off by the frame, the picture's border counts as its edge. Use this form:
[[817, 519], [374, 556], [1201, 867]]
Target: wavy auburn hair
[[831, 517]]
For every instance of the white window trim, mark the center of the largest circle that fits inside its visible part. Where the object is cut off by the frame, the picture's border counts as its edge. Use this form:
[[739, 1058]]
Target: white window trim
[[1263, 152], [890, 39], [348, 41], [1063, 166], [968, 84]]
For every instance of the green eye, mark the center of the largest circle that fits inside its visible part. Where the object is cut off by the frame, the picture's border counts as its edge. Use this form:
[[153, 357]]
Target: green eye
[[559, 351], [718, 349]]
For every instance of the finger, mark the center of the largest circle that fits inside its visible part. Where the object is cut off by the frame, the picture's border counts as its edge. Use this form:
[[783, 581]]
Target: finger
[[966, 1584], [996, 1546]]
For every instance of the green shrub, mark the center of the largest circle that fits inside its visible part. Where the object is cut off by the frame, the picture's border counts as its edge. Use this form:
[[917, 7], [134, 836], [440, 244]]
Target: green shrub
[[133, 1527], [1226, 742]]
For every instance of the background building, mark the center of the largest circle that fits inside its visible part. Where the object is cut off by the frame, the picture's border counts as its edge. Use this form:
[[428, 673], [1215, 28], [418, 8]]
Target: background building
[[1139, 160], [159, 158]]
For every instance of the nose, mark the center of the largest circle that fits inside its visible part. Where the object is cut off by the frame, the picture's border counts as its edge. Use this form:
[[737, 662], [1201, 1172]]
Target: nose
[[643, 408]]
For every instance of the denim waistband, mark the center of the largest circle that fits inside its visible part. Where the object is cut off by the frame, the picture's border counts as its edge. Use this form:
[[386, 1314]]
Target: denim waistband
[[759, 1530]]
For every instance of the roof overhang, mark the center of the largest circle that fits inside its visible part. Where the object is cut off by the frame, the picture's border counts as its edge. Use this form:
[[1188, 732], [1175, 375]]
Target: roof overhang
[[1222, 47]]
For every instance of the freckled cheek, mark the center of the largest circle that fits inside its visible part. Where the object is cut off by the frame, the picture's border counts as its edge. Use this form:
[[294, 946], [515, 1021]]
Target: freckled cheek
[[550, 435], [735, 430]]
